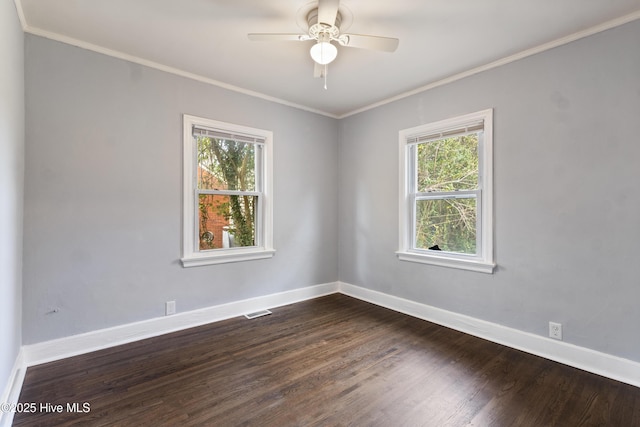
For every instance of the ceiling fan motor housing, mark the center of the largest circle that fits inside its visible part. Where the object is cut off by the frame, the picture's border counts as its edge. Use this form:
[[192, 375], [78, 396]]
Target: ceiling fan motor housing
[[316, 28]]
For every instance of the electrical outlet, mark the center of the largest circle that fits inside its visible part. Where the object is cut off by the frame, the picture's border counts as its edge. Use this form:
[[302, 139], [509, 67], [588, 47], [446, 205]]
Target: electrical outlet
[[169, 308], [555, 330]]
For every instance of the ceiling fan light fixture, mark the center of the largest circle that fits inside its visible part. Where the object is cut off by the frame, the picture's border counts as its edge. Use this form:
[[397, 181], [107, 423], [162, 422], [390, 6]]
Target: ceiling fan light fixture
[[323, 52]]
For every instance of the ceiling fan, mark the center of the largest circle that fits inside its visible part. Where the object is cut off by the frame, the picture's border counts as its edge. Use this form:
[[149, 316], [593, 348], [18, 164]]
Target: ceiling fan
[[324, 28]]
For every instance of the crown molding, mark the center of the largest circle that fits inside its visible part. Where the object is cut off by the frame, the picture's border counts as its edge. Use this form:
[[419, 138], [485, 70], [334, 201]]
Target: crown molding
[[158, 66], [182, 73], [503, 61], [20, 12]]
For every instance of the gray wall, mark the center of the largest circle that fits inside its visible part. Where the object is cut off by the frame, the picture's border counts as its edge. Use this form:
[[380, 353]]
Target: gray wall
[[103, 194], [567, 199], [11, 186]]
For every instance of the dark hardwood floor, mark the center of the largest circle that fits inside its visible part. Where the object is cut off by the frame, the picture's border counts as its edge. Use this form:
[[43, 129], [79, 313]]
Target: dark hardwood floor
[[332, 361]]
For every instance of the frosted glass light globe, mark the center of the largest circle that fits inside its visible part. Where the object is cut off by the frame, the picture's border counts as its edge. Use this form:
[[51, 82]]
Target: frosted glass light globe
[[323, 52]]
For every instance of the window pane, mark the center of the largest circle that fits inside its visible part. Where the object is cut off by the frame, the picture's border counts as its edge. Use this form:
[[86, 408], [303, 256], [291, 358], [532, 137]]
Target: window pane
[[226, 221], [226, 164], [448, 164], [448, 223]]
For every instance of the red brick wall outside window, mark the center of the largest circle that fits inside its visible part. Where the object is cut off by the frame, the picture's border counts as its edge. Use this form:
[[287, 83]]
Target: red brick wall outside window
[[211, 218]]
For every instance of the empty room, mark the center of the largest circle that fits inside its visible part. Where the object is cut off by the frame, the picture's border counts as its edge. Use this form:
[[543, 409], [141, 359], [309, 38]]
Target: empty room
[[319, 213]]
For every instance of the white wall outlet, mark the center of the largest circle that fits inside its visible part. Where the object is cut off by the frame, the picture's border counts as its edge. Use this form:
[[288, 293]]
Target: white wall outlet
[[169, 308], [555, 330]]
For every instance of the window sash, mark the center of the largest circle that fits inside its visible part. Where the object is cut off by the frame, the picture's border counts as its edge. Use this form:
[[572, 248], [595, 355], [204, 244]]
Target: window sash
[[258, 157], [412, 155], [413, 221], [258, 225], [258, 171], [414, 196]]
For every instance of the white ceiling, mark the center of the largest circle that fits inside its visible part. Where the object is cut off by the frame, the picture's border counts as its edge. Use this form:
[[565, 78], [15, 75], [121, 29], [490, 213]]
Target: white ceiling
[[207, 39]]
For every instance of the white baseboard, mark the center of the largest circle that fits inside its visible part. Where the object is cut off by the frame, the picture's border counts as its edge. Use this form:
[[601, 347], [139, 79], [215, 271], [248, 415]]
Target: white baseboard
[[603, 364], [606, 365], [11, 394], [35, 354]]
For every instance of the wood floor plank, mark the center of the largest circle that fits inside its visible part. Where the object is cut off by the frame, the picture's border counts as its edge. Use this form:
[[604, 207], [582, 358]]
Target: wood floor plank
[[331, 361]]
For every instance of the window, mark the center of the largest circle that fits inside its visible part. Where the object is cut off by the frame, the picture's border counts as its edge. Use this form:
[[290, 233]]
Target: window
[[227, 193], [446, 203]]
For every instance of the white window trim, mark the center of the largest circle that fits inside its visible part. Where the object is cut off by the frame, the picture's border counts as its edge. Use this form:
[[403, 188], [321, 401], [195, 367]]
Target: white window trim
[[484, 261], [191, 256]]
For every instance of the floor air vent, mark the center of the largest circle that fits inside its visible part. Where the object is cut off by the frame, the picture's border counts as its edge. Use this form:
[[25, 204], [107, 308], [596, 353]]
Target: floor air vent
[[257, 314]]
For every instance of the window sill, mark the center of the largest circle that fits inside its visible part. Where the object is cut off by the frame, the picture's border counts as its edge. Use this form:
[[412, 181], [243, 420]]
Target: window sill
[[463, 264], [224, 257]]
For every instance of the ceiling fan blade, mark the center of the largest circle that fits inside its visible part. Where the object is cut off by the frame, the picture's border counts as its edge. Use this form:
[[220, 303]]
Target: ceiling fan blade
[[270, 37], [318, 70], [385, 44], [327, 11]]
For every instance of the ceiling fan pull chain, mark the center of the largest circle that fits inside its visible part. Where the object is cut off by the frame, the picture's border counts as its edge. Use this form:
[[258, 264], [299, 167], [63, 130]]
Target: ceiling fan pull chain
[[326, 67]]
